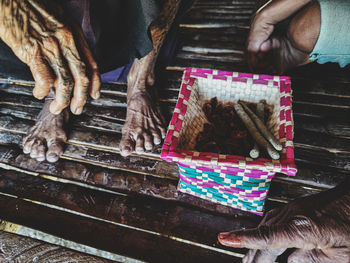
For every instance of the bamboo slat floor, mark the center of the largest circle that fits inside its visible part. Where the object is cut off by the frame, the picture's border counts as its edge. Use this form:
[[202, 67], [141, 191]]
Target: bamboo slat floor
[[127, 209]]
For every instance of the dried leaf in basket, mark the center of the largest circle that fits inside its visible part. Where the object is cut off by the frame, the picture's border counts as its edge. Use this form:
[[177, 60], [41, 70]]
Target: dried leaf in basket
[[225, 133]]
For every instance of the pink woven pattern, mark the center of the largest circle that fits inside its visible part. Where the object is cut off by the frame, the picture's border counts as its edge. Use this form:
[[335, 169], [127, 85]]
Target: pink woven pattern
[[226, 163]]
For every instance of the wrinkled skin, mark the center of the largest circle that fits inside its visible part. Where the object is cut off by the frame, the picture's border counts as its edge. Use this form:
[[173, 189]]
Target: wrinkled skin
[[58, 56], [145, 125], [46, 139], [318, 226], [62, 65], [275, 53], [55, 50]]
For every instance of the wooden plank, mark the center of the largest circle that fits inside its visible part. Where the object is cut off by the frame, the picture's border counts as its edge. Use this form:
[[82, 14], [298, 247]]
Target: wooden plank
[[333, 126], [150, 214], [22, 162], [103, 235], [109, 143], [310, 137], [316, 142], [112, 179], [15, 248]]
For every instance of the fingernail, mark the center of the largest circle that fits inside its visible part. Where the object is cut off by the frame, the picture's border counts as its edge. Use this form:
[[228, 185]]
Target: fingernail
[[229, 240], [97, 95], [223, 235], [79, 110]]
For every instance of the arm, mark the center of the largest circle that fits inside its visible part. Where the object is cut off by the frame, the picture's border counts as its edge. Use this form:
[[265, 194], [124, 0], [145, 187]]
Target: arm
[[267, 17]]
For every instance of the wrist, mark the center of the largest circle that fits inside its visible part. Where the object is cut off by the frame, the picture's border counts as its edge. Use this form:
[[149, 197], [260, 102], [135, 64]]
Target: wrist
[[275, 11]]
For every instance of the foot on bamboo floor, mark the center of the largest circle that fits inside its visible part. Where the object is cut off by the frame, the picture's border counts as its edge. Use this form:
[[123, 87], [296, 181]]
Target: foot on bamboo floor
[[46, 139], [145, 125]]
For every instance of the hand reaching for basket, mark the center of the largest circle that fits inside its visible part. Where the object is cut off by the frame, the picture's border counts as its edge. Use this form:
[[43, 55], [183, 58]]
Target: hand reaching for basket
[[318, 226]]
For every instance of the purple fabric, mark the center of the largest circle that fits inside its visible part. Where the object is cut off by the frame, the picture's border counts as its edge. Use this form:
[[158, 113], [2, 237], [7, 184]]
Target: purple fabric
[[80, 10]]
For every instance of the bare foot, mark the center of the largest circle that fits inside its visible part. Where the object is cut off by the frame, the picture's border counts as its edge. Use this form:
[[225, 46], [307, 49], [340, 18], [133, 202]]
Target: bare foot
[[145, 125], [45, 140]]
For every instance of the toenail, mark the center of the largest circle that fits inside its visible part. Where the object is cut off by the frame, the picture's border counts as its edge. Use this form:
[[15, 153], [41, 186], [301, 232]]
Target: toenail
[[40, 159], [139, 150], [26, 151]]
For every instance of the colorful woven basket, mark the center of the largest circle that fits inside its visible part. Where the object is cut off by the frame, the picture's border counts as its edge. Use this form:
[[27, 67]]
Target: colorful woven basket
[[237, 181]]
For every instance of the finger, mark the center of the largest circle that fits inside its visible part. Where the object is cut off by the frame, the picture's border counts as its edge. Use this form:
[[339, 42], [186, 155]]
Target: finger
[[329, 255], [299, 233], [262, 256], [64, 82], [269, 217], [249, 257], [64, 86], [43, 77], [95, 82], [77, 68]]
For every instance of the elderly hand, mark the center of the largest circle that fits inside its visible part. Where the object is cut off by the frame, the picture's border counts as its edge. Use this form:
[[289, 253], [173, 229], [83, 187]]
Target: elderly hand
[[56, 52], [318, 226]]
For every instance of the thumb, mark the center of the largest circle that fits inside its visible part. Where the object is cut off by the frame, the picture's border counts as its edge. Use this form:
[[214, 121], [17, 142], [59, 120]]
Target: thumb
[[301, 232], [329, 255]]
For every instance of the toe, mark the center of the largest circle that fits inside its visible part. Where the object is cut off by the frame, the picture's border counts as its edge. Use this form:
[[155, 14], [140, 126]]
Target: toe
[[162, 131], [38, 149], [126, 146], [28, 142], [140, 144], [54, 152], [156, 137], [148, 141]]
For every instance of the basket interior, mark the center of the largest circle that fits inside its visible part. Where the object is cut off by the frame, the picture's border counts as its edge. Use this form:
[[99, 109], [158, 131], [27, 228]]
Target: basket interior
[[204, 89]]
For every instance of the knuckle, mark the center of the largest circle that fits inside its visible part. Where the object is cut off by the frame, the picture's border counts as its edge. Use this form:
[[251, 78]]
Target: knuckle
[[67, 84], [44, 82]]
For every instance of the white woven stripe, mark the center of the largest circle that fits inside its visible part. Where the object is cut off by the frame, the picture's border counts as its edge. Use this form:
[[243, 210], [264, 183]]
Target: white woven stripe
[[289, 143]]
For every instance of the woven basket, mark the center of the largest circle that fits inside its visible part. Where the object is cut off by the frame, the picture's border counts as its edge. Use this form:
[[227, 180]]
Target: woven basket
[[237, 181]]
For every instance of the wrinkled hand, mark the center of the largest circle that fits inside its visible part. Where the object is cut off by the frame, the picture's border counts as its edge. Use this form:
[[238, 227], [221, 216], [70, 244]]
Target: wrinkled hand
[[54, 49], [318, 226]]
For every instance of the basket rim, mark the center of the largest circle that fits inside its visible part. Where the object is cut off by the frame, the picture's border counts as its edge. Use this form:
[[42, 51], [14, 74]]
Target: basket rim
[[286, 165]]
